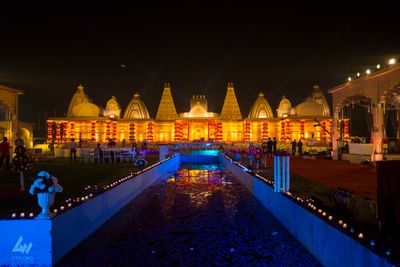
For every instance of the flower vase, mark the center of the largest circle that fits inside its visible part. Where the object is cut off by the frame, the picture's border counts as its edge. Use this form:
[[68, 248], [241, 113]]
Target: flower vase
[[45, 201]]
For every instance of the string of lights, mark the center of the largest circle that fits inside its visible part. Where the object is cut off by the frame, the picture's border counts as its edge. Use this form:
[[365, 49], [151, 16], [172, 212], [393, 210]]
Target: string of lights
[[73, 202], [310, 205], [369, 71]]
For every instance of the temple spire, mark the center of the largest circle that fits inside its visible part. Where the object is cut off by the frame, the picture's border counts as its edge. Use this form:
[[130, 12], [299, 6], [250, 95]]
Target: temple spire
[[166, 109], [230, 109], [78, 98]]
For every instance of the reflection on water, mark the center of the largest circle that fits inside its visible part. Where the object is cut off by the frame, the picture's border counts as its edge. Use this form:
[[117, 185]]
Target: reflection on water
[[198, 217], [200, 185]]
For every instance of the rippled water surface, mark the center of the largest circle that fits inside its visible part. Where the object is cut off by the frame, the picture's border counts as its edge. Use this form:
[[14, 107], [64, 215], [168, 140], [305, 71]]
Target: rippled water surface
[[195, 218]]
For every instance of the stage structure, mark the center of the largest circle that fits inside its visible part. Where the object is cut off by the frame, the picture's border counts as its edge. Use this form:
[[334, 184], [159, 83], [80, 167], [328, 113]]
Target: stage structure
[[377, 89]]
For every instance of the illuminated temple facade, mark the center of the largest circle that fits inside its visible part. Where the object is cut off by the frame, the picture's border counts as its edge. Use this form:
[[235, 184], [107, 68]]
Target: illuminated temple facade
[[92, 123]]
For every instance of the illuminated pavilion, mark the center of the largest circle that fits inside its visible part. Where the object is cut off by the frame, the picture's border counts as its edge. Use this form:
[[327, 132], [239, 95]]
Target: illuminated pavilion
[[92, 123], [10, 124]]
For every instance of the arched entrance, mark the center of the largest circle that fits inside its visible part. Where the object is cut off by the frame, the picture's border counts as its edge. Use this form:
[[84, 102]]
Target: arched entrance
[[198, 132]]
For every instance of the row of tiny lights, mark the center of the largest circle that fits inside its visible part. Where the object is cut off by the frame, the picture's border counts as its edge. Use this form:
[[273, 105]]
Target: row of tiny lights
[[69, 202], [311, 206], [391, 61]]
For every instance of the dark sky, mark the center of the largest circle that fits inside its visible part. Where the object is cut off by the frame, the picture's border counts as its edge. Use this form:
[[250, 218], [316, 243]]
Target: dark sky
[[281, 51]]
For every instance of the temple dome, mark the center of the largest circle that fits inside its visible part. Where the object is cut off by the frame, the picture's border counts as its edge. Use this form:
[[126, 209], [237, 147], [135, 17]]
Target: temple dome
[[85, 110], [309, 108], [318, 97], [285, 107], [81, 106], [113, 109], [136, 109], [261, 108]]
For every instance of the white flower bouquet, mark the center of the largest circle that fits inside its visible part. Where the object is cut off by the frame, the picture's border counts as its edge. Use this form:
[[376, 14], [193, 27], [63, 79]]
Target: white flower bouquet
[[45, 182]]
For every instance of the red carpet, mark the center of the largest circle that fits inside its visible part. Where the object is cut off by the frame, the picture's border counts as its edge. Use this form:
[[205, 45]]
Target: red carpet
[[361, 179]]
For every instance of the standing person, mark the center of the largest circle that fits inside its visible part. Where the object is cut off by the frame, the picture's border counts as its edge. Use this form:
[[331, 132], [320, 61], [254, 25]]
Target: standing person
[[72, 147], [264, 149], [258, 158], [80, 141], [98, 153], [123, 142], [300, 147], [134, 146], [294, 144], [51, 147], [274, 144], [5, 153], [269, 147]]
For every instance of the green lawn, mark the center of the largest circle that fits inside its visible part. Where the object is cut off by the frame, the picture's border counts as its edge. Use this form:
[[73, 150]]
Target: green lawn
[[73, 177]]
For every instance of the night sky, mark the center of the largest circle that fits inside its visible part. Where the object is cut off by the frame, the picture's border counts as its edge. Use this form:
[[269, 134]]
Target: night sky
[[281, 51]]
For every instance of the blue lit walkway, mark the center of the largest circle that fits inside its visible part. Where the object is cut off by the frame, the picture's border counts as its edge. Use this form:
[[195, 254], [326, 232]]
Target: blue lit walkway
[[197, 218]]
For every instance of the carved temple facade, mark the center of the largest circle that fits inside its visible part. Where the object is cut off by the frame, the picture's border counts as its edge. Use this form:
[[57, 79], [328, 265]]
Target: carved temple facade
[[92, 123]]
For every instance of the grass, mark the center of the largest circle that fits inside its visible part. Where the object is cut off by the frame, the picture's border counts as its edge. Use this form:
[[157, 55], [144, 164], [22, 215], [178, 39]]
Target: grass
[[73, 177]]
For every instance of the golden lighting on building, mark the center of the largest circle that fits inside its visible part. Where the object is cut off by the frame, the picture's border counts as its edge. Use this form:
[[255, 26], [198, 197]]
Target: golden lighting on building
[[85, 120]]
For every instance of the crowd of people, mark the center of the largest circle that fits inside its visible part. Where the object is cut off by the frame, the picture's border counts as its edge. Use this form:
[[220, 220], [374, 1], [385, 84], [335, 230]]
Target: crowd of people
[[257, 154]]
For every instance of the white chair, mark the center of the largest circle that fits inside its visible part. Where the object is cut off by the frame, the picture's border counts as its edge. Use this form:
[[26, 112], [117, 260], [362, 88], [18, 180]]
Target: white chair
[[96, 156], [117, 155], [107, 156], [86, 155]]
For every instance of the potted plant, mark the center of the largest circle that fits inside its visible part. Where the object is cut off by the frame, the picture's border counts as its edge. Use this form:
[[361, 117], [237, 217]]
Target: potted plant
[[45, 186]]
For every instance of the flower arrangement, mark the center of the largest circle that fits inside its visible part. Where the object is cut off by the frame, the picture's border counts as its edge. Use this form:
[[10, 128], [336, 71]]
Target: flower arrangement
[[45, 183], [140, 162]]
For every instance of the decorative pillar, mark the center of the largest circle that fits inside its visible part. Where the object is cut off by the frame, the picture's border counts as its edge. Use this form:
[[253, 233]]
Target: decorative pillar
[[398, 123], [377, 133], [247, 131], [132, 138], [283, 131], [178, 132], [49, 131], [335, 136], [108, 131], [63, 131], [72, 130], [281, 172], [114, 130], [302, 130], [346, 129], [93, 131], [264, 131], [288, 131], [218, 135], [149, 135]]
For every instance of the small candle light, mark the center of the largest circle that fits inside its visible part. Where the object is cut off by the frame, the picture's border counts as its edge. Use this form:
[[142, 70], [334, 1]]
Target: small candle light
[[340, 222], [324, 213], [344, 226], [22, 214], [62, 208], [360, 236], [31, 214], [13, 215]]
